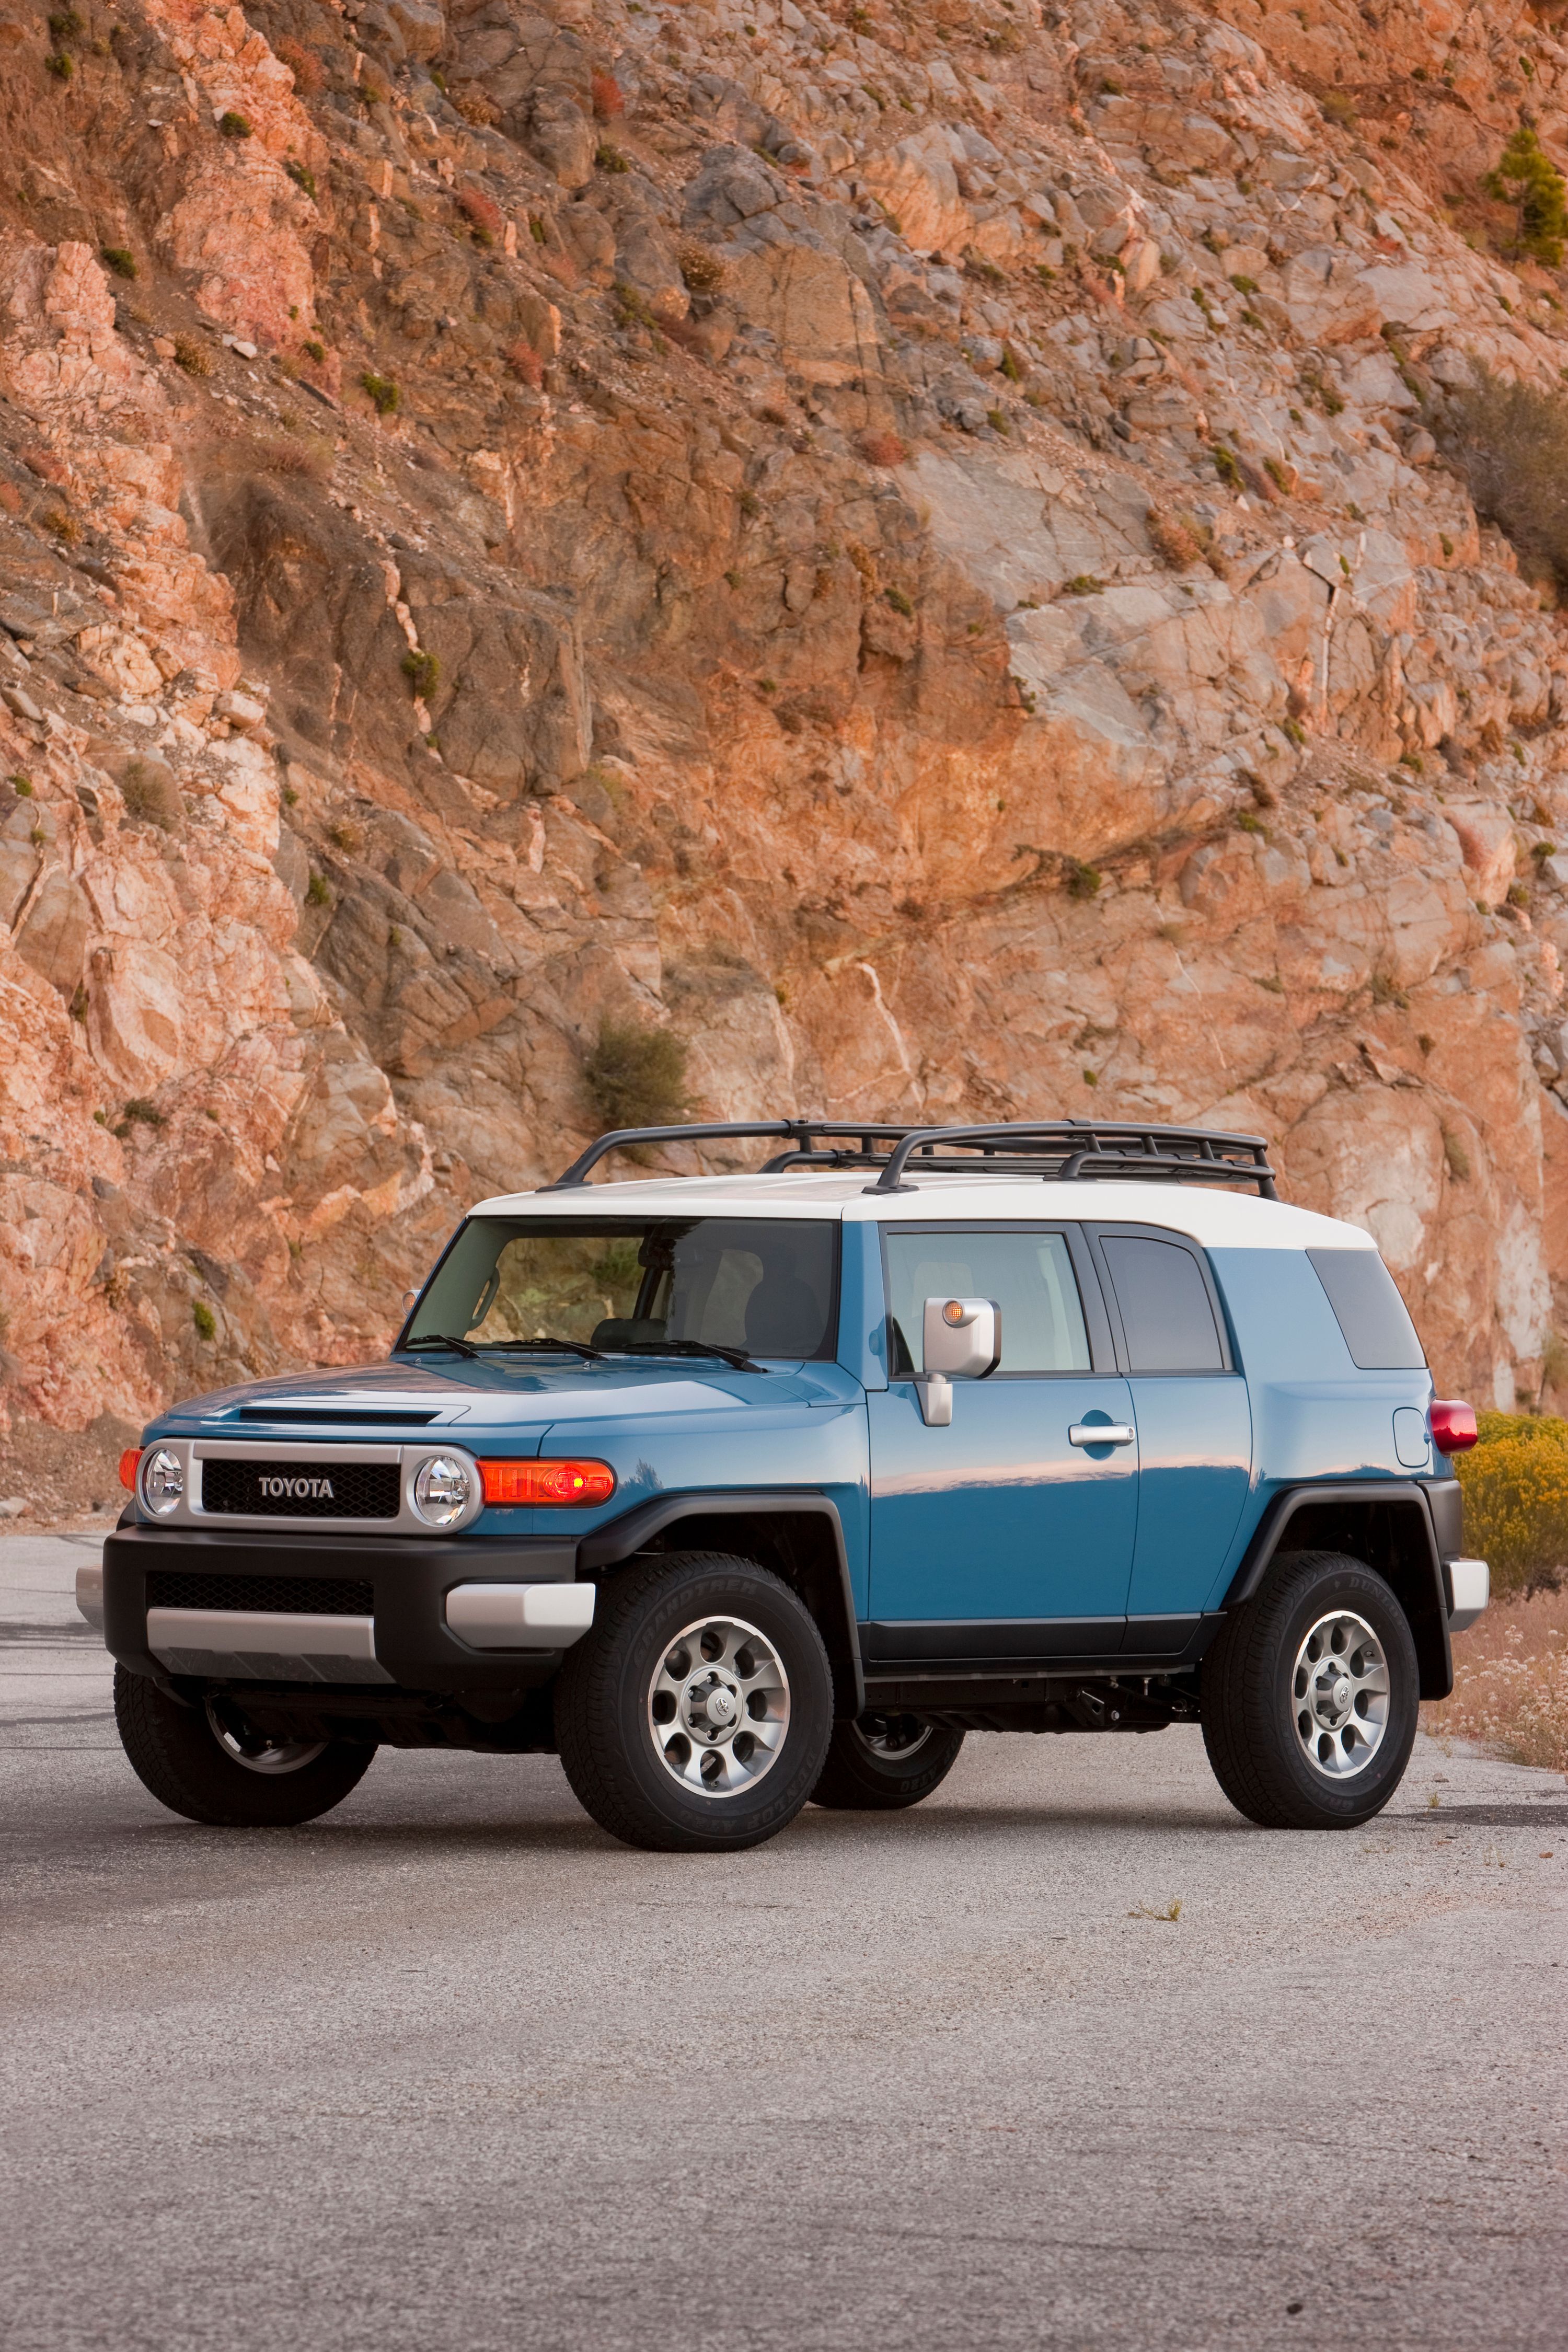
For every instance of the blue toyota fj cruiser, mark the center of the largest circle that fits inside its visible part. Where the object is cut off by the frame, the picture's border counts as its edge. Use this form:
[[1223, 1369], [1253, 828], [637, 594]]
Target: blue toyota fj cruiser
[[740, 1490]]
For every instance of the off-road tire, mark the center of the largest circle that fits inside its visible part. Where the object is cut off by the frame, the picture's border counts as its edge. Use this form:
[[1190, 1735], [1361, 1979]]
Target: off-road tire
[[603, 1704], [174, 1752], [862, 1777], [1250, 1709]]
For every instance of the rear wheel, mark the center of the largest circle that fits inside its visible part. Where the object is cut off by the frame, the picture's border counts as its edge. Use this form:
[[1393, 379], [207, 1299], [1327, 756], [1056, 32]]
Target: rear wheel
[[1311, 1696], [695, 1716], [883, 1761], [210, 1763]]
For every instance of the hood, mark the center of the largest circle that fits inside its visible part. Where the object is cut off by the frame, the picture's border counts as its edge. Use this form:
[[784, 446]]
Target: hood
[[401, 1394]]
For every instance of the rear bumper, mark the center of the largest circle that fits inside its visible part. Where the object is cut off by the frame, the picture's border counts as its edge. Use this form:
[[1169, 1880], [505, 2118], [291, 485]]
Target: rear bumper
[[1469, 1585], [514, 1608]]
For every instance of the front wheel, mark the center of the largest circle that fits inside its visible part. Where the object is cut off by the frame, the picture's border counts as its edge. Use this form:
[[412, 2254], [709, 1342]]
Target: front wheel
[[209, 1762], [1310, 1693], [694, 1717], [881, 1762]]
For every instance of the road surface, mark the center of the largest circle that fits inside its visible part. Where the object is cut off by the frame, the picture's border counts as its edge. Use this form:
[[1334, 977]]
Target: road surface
[[449, 2070]]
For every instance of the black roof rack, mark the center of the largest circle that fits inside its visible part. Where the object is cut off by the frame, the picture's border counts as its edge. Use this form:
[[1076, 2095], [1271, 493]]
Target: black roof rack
[[1061, 1151]]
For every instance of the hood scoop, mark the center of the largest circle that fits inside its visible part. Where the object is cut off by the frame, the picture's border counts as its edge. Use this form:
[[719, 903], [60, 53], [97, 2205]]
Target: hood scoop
[[330, 1416]]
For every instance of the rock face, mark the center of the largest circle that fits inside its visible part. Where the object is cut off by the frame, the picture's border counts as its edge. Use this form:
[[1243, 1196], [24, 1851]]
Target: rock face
[[908, 551]]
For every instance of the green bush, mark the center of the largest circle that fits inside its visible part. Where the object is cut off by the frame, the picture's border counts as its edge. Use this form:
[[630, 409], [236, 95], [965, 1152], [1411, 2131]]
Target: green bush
[[383, 393], [635, 1077], [233, 125], [204, 1319], [1526, 179], [1515, 1483], [119, 259], [423, 672]]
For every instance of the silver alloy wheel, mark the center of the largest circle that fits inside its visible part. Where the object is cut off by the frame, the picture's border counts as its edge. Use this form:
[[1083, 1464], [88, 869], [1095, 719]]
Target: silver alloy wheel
[[718, 1706], [1338, 1696], [243, 1744], [894, 1737]]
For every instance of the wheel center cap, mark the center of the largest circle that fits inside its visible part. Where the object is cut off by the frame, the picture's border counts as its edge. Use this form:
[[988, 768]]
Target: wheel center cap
[[713, 1711], [1340, 1695]]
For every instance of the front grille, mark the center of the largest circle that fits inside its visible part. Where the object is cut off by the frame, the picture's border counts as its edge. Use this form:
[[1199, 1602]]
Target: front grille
[[303, 1490], [298, 1596]]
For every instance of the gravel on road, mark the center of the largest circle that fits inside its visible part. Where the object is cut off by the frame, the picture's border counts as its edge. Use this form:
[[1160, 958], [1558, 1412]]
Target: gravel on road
[[1069, 2056]]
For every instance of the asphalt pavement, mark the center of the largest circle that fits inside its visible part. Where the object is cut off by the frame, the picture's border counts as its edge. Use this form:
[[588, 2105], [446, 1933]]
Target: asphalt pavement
[[450, 2069]]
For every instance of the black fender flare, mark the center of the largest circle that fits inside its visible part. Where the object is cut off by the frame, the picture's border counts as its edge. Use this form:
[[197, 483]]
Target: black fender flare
[[1398, 1514], [619, 1538]]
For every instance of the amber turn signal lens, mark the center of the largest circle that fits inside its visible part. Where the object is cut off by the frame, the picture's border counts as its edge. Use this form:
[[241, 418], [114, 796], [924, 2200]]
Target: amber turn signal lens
[[128, 1461], [548, 1482], [1453, 1425]]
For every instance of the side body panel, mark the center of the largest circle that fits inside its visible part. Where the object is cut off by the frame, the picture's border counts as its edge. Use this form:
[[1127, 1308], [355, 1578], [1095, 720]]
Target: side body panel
[[1316, 1418], [1194, 1444], [998, 1516]]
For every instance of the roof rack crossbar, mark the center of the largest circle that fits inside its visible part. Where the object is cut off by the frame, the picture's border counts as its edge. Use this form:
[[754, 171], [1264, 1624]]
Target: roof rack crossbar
[[800, 1133], [1064, 1151]]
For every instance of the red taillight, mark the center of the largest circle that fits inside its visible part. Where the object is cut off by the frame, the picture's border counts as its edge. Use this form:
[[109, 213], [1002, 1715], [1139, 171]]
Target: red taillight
[[1453, 1425], [128, 1461], [548, 1482]]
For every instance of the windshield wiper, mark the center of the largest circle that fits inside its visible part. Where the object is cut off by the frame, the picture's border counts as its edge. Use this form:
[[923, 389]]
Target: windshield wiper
[[437, 1339], [553, 1347], [736, 1355]]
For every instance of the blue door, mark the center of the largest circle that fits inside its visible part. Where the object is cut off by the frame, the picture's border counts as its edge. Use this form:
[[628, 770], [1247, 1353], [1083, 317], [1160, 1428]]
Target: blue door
[[1009, 1534], [1195, 1428]]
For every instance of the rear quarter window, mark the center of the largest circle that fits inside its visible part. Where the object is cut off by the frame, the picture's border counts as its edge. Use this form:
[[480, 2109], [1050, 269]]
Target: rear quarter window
[[1166, 1316], [1369, 1310]]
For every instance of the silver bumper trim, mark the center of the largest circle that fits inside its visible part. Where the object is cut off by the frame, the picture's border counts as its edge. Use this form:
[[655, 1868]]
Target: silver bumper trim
[[520, 1616], [90, 1594], [1469, 1580], [268, 1646]]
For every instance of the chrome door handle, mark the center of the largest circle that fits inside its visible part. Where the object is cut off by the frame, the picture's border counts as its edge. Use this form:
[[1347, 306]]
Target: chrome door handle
[[1101, 1433]]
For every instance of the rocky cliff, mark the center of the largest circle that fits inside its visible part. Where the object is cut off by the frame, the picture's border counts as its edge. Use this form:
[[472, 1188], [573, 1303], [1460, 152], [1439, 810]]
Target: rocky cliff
[[909, 547]]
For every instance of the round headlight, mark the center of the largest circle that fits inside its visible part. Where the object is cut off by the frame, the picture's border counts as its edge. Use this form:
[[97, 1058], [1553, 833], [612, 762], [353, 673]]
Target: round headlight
[[162, 1481], [442, 1489]]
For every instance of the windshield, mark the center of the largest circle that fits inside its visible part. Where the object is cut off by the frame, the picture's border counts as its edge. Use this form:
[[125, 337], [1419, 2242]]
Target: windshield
[[764, 1287]]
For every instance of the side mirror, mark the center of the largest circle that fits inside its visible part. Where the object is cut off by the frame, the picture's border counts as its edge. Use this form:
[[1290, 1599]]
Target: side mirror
[[961, 1340]]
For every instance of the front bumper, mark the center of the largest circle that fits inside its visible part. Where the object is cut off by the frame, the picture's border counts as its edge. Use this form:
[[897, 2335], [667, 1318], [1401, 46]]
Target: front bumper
[[514, 1607]]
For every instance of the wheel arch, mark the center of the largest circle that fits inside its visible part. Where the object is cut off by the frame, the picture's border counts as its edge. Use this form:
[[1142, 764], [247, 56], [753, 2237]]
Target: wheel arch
[[794, 1531], [1387, 1524]]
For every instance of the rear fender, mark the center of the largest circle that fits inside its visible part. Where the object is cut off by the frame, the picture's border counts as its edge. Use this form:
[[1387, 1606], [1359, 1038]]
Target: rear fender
[[1387, 1523]]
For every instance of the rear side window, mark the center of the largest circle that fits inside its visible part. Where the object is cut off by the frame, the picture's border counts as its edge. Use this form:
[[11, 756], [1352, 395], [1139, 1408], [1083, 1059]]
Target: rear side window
[[1165, 1310], [1369, 1310]]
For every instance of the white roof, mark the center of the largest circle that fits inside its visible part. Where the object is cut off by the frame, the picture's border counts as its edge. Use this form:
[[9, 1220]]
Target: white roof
[[1219, 1216]]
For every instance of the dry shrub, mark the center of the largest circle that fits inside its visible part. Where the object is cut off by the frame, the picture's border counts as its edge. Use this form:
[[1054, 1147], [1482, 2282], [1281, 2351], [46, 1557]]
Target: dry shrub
[[476, 108], [1510, 1683], [527, 365], [481, 211], [1511, 443], [191, 356], [702, 271], [151, 796], [883, 448], [635, 1077], [1173, 540], [309, 458], [1516, 1500], [609, 99], [309, 75]]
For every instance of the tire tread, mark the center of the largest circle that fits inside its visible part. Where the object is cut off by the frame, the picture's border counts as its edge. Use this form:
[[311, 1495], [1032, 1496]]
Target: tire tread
[[1239, 1726], [585, 1697]]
